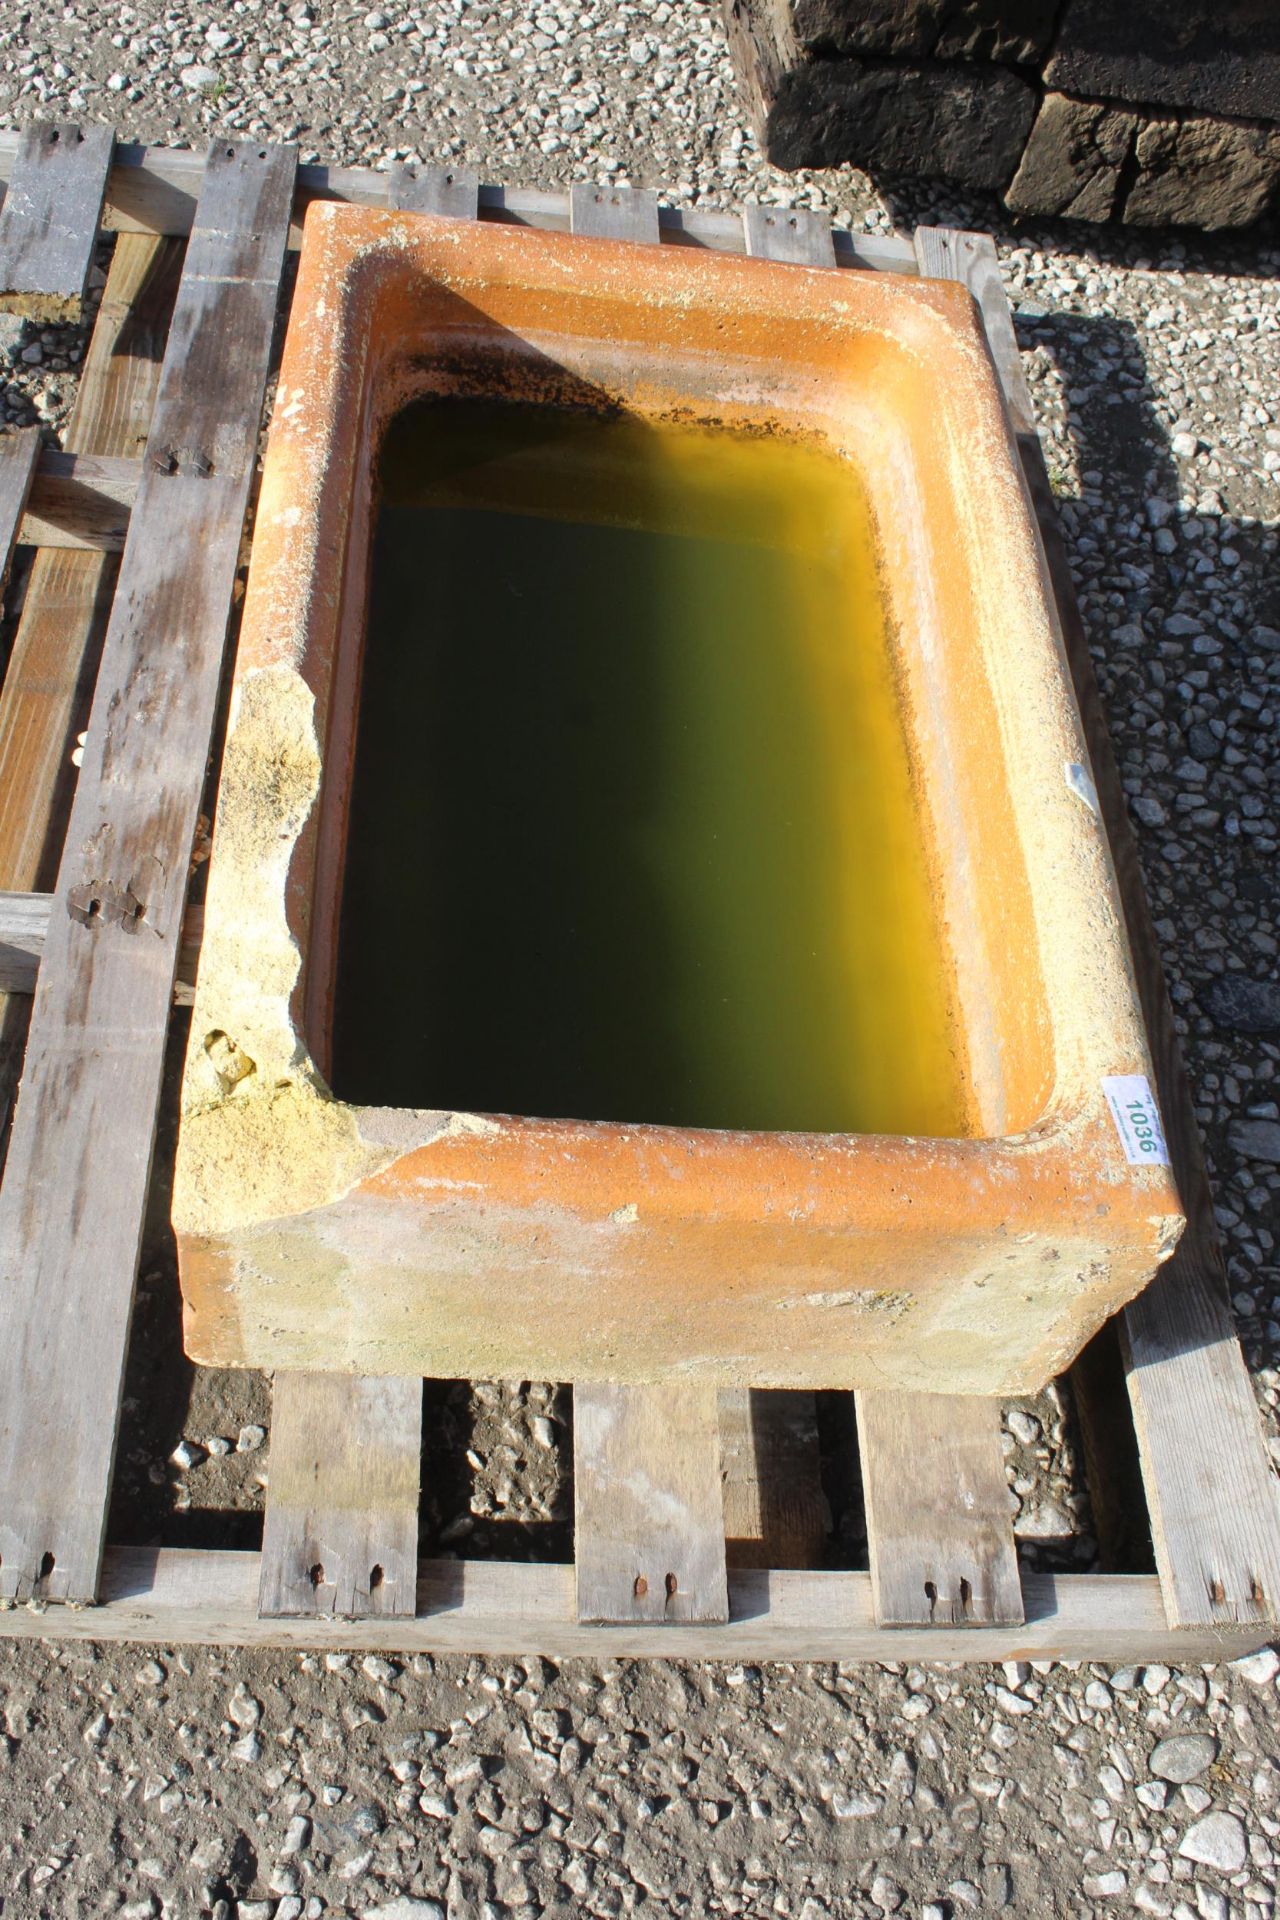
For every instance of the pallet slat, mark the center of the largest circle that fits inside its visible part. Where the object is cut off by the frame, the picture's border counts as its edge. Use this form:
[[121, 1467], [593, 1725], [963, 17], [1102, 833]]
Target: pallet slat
[[939, 1524], [19, 453], [48, 683], [648, 1507], [50, 218], [81, 501], [614, 213], [343, 1495], [453, 191], [775, 1511], [72, 1203], [1213, 1500], [24, 922], [153, 189], [207, 1598], [789, 233], [341, 1532], [24, 927]]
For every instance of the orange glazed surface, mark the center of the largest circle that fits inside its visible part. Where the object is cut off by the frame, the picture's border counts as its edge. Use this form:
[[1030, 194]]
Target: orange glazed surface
[[975, 1254]]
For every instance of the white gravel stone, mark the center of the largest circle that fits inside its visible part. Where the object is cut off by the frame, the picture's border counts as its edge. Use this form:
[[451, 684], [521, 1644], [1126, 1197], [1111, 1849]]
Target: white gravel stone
[[244, 1708], [1218, 1840], [1183, 1757], [1259, 1669], [855, 1806], [376, 1668]]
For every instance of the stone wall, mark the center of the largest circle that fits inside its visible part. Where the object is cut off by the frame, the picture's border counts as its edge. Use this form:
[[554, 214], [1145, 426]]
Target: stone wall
[[1147, 112]]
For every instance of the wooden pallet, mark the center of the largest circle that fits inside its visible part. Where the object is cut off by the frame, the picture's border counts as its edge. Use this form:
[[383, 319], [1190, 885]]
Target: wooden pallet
[[139, 526]]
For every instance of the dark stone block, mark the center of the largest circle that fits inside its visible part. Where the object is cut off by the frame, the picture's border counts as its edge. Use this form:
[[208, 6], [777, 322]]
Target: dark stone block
[[1012, 31], [1220, 56], [1240, 1005], [1073, 159], [1202, 173], [954, 123]]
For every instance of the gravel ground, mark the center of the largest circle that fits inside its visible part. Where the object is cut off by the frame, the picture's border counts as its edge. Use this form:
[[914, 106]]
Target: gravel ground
[[272, 1785]]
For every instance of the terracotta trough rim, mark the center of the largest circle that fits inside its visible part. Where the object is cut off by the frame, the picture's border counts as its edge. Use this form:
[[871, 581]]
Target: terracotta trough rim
[[1067, 1165]]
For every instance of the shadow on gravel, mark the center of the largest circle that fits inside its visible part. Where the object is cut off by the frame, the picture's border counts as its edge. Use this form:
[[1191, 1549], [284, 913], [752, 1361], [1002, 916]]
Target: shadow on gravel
[[1174, 588]]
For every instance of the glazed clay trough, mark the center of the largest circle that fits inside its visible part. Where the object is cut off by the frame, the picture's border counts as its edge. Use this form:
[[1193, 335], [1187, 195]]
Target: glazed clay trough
[[693, 951]]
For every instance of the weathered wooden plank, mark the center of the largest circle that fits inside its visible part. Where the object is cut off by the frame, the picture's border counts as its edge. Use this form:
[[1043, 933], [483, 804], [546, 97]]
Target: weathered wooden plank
[[72, 1202], [648, 1508], [775, 1511], [1215, 1510], [789, 233], [939, 1523], [24, 925], [176, 1597], [24, 922], [648, 1512], [948, 253], [81, 501], [341, 1533], [614, 213], [50, 218], [452, 191], [48, 684], [1210, 1492], [19, 453], [153, 189]]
